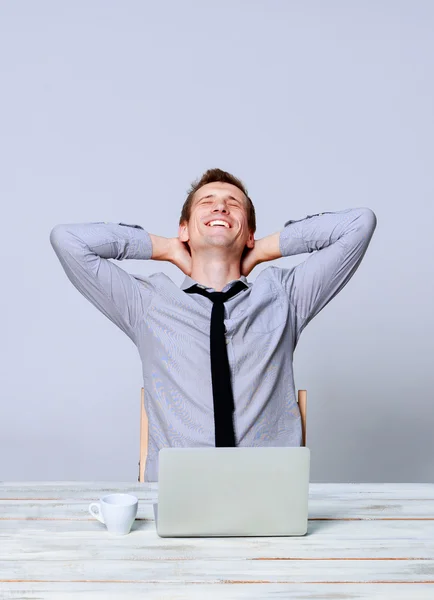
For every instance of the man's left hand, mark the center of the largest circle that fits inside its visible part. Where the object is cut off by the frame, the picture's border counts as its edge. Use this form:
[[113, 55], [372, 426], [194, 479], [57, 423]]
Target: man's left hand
[[265, 249], [250, 260]]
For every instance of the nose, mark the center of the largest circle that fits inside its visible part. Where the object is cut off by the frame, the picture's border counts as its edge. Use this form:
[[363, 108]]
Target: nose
[[220, 205]]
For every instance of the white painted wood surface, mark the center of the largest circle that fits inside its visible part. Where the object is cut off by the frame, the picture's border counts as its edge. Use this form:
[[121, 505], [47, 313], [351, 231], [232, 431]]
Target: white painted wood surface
[[371, 541]]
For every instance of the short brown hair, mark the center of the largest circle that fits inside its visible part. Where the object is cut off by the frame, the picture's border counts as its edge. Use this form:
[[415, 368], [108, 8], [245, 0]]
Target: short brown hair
[[218, 175]]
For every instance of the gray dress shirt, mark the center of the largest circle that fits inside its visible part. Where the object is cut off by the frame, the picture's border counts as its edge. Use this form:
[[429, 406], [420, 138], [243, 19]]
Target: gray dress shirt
[[171, 329]]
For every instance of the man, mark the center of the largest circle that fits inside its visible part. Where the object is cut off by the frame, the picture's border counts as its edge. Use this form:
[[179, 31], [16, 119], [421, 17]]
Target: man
[[239, 387]]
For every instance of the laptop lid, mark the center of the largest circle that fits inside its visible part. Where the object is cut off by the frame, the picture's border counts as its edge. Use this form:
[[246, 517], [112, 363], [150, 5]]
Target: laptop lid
[[233, 491]]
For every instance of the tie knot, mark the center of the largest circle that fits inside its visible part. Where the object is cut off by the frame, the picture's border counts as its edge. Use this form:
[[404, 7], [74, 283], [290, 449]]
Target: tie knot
[[218, 296]]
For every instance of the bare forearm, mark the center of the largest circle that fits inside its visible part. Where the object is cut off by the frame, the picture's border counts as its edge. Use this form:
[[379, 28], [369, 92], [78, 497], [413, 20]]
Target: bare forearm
[[160, 247], [267, 248], [172, 250]]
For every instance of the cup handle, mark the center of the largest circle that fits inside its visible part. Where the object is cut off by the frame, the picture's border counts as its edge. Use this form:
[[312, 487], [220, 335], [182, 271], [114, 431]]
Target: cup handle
[[95, 511]]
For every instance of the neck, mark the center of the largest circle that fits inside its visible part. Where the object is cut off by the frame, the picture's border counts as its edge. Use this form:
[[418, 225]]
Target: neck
[[215, 273]]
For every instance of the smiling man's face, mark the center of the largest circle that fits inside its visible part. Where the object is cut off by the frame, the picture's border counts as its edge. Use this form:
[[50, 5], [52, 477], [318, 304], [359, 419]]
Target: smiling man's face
[[218, 202]]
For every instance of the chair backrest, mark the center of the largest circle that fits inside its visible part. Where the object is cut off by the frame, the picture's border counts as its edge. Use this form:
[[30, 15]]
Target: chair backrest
[[302, 403]]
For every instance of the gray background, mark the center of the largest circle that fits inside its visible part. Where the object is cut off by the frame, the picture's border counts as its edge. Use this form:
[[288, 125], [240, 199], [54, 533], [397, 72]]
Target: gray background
[[109, 110]]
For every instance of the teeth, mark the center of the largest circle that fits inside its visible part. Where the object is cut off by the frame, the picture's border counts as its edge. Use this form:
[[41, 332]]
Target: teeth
[[217, 222]]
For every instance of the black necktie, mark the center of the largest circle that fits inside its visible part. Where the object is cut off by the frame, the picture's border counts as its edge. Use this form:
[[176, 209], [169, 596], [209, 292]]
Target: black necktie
[[221, 379]]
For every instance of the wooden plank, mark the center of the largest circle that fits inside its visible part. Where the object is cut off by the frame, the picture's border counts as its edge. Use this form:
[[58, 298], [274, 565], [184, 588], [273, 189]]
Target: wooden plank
[[166, 591], [90, 490], [81, 489], [356, 507], [72, 510], [218, 571], [351, 540]]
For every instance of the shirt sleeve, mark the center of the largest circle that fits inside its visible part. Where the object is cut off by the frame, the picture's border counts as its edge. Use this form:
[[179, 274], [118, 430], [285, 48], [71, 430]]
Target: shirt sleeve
[[83, 250], [341, 239]]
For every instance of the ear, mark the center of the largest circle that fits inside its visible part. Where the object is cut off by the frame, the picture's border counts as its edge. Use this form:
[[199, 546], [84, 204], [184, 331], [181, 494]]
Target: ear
[[250, 243], [183, 232]]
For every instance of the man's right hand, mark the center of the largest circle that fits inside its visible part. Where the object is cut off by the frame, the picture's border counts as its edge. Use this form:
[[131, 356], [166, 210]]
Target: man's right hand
[[172, 250]]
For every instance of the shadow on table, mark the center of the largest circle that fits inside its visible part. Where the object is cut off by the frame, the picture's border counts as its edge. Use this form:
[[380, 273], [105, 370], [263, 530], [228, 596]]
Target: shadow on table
[[313, 527]]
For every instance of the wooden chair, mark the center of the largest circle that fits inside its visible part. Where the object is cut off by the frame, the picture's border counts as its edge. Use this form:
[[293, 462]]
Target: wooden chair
[[302, 401]]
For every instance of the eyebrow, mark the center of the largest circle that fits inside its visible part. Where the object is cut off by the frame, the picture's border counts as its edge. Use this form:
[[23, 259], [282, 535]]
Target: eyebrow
[[212, 195]]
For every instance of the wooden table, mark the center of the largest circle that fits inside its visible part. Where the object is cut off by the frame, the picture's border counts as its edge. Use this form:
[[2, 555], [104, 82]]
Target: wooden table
[[363, 541]]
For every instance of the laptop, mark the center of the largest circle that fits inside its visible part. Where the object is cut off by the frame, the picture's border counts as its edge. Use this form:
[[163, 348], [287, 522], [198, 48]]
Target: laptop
[[233, 492]]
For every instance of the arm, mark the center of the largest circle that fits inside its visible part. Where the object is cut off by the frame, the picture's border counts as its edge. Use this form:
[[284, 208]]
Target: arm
[[83, 250], [265, 249], [340, 238]]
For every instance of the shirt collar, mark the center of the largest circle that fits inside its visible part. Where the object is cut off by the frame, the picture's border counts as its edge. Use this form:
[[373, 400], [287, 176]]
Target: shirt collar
[[188, 282]]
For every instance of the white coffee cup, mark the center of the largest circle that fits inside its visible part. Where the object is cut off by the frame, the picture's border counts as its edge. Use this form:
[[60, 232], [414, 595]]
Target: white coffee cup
[[116, 511]]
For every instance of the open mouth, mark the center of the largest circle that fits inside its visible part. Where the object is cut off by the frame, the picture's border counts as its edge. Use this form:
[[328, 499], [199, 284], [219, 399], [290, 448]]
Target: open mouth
[[218, 225]]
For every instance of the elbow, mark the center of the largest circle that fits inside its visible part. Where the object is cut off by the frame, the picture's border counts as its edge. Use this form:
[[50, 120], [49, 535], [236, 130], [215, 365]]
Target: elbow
[[368, 219], [57, 236]]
